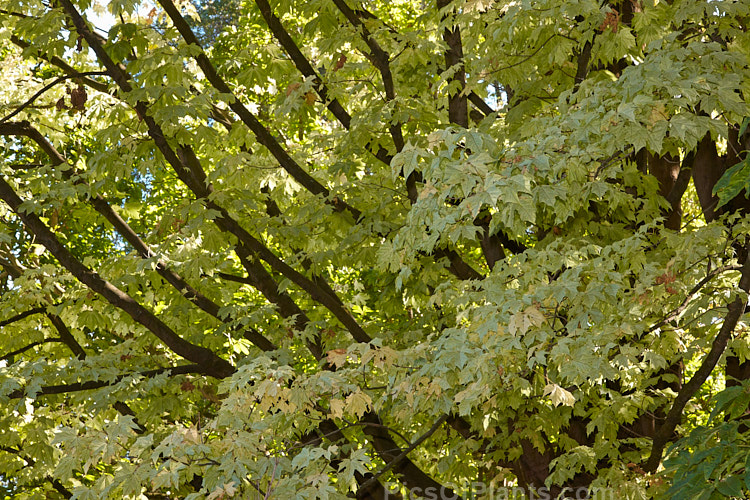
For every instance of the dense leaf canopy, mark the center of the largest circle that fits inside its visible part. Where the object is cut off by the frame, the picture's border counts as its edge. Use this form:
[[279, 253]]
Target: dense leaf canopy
[[376, 249]]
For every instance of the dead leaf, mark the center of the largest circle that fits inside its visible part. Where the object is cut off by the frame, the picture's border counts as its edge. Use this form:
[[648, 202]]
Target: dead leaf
[[78, 98], [340, 63], [292, 87]]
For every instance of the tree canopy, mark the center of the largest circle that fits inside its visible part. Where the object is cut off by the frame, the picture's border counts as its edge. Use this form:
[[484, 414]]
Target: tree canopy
[[374, 249]]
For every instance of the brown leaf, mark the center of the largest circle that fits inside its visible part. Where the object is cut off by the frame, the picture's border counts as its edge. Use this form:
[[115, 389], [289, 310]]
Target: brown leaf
[[60, 104], [665, 278], [309, 98], [340, 63], [612, 20], [292, 87], [78, 98], [336, 357]]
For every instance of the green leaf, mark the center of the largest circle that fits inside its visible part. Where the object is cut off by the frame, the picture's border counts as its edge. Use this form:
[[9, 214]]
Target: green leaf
[[731, 486], [734, 180]]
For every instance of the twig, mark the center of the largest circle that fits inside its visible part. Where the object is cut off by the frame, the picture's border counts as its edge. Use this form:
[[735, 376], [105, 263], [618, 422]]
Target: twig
[[49, 86], [371, 481]]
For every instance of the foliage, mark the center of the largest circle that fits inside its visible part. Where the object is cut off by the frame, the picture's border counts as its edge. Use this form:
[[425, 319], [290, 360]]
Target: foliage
[[213, 17], [319, 249]]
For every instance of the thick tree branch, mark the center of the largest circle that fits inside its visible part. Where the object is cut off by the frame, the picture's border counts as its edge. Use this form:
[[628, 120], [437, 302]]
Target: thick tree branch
[[65, 335], [582, 65], [331, 303], [708, 168], [307, 70], [264, 282], [329, 430], [188, 168], [28, 347], [410, 475], [458, 111], [734, 313], [122, 227], [212, 363], [381, 60], [683, 179], [248, 118], [301, 62], [48, 390], [480, 104], [20, 316], [401, 456]]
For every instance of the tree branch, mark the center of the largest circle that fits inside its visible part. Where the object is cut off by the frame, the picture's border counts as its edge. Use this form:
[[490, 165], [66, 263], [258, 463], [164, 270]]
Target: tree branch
[[67, 68], [674, 313], [20, 316], [480, 104], [301, 62], [31, 462], [261, 133], [213, 364], [44, 89], [122, 227], [26, 348], [410, 475], [65, 336], [734, 313], [381, 60], [458, 111], [304, 67], [401, 456], [48, 390]]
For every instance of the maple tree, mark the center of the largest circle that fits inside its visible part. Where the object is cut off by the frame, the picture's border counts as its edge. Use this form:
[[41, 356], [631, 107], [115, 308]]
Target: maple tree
[[381, 250]]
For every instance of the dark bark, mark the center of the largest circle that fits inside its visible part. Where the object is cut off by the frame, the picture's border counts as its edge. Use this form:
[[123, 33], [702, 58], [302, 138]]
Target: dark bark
[[98, 384], [458, 111], [12, 354], [708, 168], [301, 62], [381, 60], [122, 227], [212, 363], [666, 170], [23, 315], [262, 134], [674, 416], [415, 480]]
